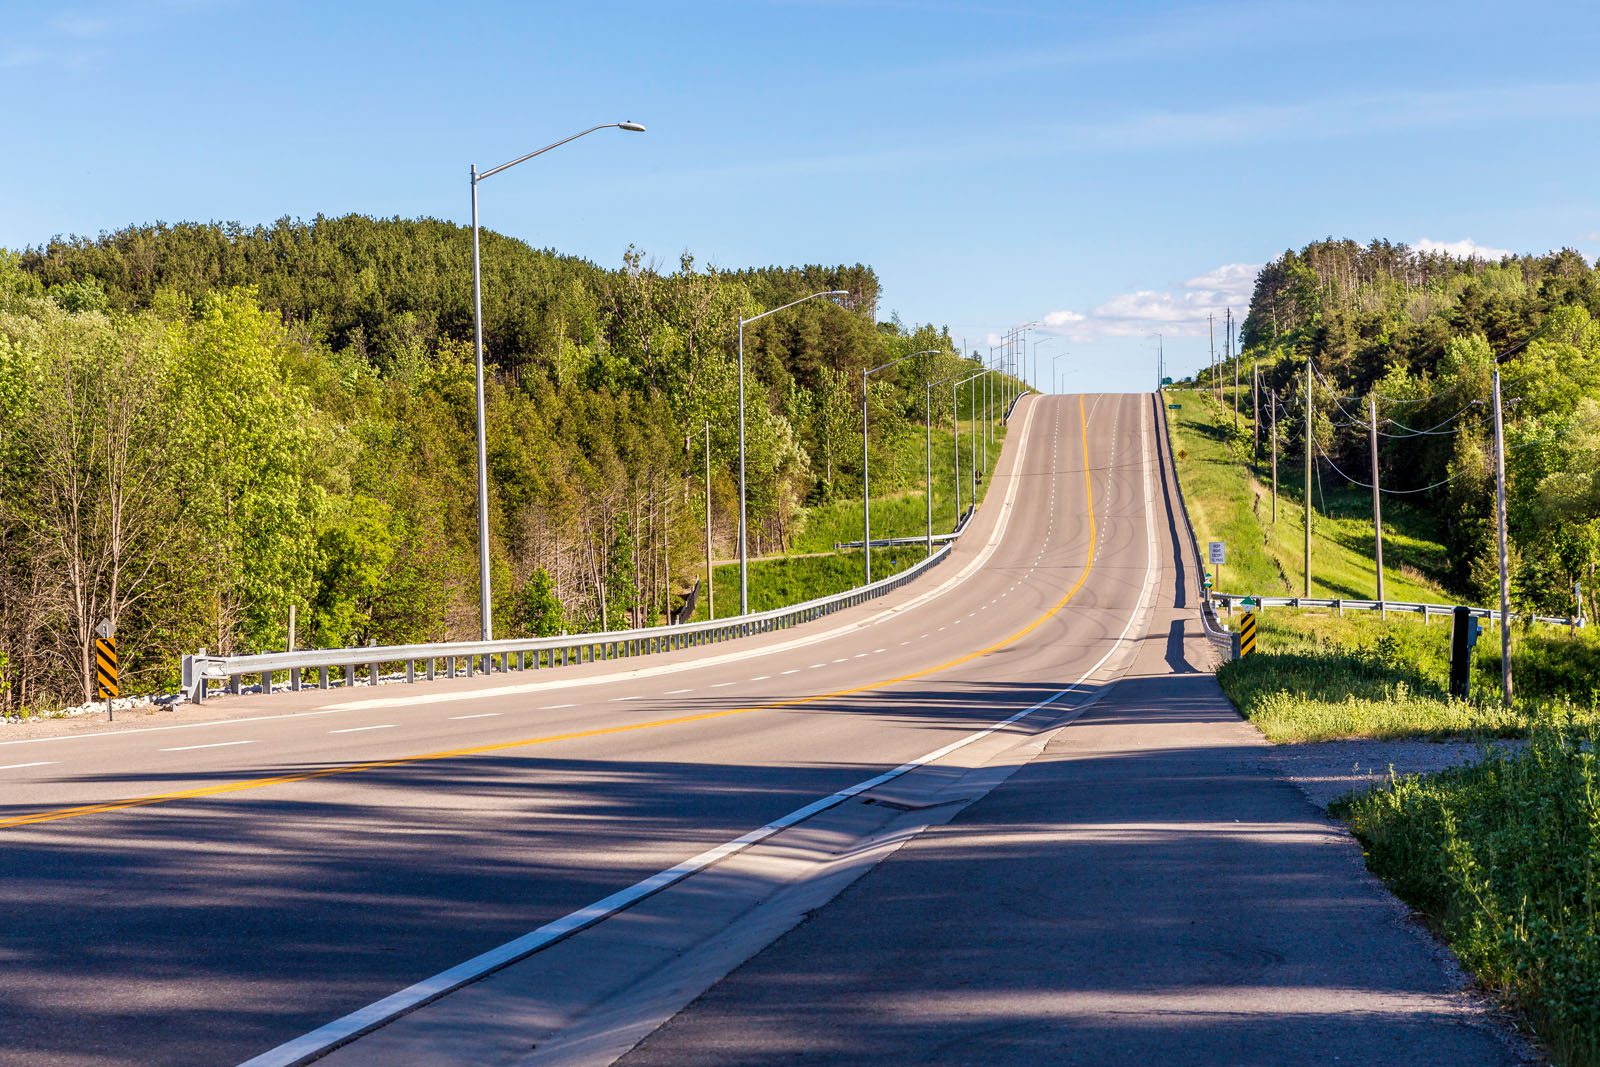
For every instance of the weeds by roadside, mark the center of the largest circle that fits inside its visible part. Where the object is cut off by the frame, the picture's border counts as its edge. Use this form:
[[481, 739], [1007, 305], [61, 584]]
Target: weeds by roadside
[[1504, 857]]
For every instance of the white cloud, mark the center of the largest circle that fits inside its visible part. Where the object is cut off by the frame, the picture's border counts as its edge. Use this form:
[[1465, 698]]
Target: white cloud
[[1179, 311], [1056, 319], [1466, 248]]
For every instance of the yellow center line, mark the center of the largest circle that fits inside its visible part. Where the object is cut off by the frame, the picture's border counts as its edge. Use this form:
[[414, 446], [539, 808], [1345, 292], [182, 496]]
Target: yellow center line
[[221, 788]]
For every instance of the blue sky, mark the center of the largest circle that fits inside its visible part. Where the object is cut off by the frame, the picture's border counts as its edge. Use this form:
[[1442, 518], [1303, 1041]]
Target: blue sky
[[1113, 168]]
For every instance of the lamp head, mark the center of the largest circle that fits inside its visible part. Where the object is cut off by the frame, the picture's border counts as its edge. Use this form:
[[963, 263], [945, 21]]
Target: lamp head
[[632, 127]]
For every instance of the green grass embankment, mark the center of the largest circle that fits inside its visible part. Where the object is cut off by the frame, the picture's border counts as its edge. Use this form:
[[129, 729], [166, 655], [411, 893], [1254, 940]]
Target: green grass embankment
[[899, 509], [1229, 501], [1317, 676]]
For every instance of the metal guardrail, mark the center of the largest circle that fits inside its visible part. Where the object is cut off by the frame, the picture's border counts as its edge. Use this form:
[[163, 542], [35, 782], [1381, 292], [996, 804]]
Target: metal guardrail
[[1403, 607], [895, 542], [457, 658]]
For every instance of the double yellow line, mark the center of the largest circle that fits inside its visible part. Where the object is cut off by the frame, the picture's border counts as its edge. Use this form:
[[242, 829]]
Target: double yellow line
[[55, 814]]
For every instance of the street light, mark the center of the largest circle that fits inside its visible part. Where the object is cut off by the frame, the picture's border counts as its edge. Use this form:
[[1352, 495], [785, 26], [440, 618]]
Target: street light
[[1036, 346], [1055, 378], [744, 548], [485, 614], [866, 492]]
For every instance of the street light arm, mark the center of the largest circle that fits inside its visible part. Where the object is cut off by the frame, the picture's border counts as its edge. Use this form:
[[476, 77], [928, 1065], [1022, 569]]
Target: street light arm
[[792, 303], [633, 126], [902, 359]]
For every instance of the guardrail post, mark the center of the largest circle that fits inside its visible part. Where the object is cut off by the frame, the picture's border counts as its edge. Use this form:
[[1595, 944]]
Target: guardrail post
[[411, 670], [372, 668], [1338, 606], [234, 685]]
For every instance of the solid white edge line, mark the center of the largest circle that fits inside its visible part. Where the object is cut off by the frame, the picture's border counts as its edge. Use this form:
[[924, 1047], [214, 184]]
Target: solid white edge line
[[346, 1029], [214, 744], [40, 763]]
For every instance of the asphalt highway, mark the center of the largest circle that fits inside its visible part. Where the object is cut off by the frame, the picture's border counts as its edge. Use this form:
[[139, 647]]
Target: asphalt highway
[[208, 893], [203, 894]]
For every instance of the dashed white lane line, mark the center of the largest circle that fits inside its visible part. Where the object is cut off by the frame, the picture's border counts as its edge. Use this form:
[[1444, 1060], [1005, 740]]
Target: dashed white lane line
[[214, 744], [814, 666], [859, 655], [677, 692], [359, 729], [721, 685], [36, 763], [553, 707], [761, 677], [795, 670], [479, 715], [615, 700], [877, 650]]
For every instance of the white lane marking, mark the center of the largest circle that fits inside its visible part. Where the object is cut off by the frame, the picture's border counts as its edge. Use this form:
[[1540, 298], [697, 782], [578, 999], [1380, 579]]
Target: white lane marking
[[761, 677], [814, 666], [214, 744], [903, 643], [795, 670], [359, 729], [37, 763], [480, 715], [721, 685], [362, 1020], [677, 692], [860, 655], [841, 659], [553, 707], [614, 700]]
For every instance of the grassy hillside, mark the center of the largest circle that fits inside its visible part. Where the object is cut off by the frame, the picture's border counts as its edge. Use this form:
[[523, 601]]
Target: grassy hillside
[[1230, 502], [899, 509]]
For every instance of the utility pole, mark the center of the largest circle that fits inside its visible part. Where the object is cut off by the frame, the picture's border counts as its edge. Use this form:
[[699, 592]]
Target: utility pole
[[1272, 404], [711, 589], [1234, 360], [1309, 444], [1505, 560], [1255, 414], [1211, 332], [1377, 506]]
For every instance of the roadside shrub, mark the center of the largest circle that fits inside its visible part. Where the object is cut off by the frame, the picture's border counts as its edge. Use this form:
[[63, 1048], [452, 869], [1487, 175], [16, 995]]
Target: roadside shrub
[[1505, 857]]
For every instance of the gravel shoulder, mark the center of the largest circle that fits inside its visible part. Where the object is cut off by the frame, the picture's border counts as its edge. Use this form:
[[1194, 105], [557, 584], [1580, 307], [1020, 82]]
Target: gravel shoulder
[[1327, 770]]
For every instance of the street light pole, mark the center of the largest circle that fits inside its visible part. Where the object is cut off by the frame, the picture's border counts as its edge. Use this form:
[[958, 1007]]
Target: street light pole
[[866, 491], [744, 542], [485, 613]]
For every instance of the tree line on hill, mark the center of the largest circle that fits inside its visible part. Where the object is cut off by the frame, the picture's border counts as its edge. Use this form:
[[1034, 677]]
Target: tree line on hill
[[203, 426], [1421, 333]]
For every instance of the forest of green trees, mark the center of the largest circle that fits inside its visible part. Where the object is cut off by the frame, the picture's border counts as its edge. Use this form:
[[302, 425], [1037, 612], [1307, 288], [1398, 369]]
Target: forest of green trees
[[202, 426], [1421, 332]]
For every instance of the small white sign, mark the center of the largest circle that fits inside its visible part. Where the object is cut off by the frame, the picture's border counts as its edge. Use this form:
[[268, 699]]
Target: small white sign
[[1219, 553], [104, 629]]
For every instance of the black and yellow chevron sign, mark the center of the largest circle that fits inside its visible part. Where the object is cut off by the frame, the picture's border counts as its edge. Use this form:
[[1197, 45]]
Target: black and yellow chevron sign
[[1247, 633], [105, 666]]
